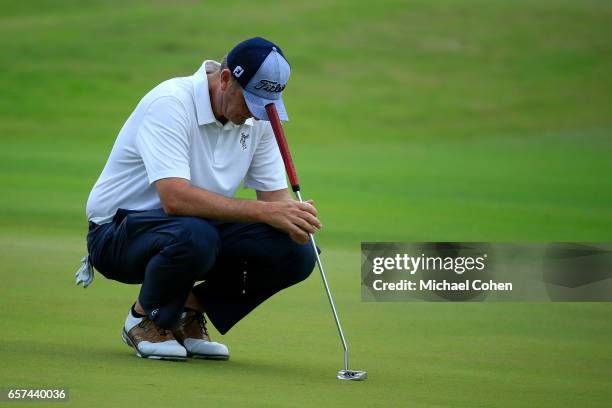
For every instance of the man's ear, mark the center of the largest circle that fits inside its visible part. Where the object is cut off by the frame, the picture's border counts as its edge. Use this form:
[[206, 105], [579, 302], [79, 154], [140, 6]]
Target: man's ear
[[226, 79]]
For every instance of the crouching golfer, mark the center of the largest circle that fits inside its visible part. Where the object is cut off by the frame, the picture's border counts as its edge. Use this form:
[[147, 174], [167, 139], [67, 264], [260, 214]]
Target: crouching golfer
[[162, 213]]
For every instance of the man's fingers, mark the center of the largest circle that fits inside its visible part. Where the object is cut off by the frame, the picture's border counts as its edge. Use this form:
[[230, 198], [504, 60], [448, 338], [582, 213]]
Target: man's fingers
[[300, 239], [297, 234], [304, 225], [306, 206], [312, 220], [295, 218]]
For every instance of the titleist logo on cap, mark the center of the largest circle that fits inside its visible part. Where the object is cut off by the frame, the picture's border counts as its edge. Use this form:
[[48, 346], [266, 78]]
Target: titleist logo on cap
[[270, 86]]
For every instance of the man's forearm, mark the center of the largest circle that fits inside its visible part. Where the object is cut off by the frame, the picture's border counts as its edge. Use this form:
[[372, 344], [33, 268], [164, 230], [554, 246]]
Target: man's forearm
[[197, 202], [275, 208], [278, 195]]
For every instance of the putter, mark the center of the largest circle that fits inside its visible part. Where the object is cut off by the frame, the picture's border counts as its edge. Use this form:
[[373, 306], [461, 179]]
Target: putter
[[279, 134]]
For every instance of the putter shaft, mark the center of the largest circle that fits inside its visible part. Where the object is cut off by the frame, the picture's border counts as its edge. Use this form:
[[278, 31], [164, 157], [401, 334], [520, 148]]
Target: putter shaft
[[329, 296]]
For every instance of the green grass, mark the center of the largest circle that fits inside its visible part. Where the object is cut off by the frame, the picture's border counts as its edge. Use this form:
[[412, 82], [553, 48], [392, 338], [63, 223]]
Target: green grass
[[286, 352], [410, 121]]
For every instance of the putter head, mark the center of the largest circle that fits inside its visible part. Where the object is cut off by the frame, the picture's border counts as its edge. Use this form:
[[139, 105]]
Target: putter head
[[352, 375]]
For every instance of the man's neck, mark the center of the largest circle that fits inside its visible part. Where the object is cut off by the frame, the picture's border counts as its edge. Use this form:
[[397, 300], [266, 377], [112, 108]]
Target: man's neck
[[213, 89]]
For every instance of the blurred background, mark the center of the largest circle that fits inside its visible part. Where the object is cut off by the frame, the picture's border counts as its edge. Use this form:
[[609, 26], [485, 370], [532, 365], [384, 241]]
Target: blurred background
[[410, 121]]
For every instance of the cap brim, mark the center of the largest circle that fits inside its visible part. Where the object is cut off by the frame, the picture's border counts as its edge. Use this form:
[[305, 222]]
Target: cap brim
[[257, 106]]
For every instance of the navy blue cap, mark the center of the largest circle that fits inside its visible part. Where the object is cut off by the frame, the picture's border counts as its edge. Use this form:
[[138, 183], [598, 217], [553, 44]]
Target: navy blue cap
[[260, 67]]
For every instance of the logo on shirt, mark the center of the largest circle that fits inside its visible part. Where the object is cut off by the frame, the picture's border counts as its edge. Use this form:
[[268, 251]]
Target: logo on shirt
[[243, 140]]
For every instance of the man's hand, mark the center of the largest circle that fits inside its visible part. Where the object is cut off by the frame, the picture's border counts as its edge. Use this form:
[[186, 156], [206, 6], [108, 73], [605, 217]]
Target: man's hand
[[275, 208], [295, 218]]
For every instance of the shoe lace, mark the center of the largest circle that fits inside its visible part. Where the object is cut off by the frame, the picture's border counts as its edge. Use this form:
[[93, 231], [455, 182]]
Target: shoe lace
[[146, 324], [201, 320]]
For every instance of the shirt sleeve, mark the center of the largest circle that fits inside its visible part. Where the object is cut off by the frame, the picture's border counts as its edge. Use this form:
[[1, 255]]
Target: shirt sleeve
[[266, 172], [163, 140]]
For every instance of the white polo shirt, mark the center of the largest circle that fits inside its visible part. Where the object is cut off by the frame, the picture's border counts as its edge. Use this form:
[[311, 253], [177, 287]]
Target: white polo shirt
[[174, 133]]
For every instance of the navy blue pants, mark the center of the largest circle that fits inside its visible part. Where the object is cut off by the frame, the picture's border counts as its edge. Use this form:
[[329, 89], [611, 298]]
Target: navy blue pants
[[241, 264]]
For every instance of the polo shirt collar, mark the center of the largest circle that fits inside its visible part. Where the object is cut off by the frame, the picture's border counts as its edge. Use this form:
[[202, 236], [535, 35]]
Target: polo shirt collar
[[202, 98]]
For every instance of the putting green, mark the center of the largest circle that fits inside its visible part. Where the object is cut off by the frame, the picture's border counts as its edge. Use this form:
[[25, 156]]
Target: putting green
[[410, 121]]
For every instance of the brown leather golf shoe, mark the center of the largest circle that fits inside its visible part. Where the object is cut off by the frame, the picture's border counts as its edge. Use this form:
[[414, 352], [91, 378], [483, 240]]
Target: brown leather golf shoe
[[151, 341], [193, 335]]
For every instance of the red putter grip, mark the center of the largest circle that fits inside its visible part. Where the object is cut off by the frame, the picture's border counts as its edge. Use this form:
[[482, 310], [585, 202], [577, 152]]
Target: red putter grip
[[279, 134]]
